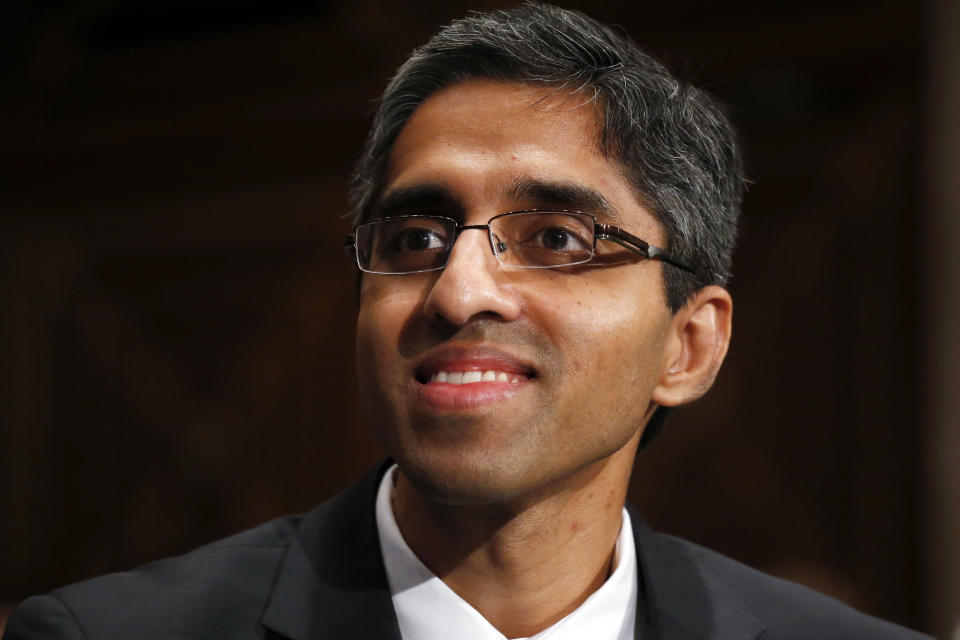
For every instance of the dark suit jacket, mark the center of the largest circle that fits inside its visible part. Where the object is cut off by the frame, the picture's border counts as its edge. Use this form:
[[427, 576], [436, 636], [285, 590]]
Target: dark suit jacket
[[321, 576]]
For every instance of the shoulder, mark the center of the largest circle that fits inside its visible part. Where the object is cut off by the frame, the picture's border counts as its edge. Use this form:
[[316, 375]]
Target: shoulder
[[789, 611], [218, 590], [226, 589]]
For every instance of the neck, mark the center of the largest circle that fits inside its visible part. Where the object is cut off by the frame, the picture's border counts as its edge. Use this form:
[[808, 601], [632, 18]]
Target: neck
[[527, 564]]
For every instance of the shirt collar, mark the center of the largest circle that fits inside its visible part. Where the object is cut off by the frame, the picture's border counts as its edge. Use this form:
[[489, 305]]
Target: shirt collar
[[427, 609]]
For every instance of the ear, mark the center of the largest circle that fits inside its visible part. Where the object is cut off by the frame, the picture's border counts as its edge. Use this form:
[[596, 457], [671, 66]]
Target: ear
[[697, 342]]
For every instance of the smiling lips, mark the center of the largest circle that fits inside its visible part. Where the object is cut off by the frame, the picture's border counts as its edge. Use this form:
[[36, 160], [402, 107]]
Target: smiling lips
[[473, 377], [456, 379]]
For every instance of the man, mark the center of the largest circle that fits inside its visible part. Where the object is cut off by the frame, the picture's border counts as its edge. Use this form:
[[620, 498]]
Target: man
[[545, 219]]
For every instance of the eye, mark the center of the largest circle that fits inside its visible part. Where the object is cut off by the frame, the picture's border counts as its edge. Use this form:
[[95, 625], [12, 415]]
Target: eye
[[415, 239], [560, 239]]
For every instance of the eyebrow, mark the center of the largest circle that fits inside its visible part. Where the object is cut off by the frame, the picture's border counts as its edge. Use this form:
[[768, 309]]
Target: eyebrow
[[410, 199], [565, 195], [542, 194]]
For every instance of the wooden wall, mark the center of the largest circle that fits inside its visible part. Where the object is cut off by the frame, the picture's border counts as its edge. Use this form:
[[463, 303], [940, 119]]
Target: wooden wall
[[176, 347]]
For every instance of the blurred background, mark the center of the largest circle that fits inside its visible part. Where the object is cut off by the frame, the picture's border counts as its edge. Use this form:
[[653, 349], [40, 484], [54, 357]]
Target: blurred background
[[176, 358]]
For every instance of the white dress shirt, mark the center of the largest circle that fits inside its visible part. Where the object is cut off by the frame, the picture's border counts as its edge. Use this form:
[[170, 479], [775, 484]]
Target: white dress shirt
[[427, 609]]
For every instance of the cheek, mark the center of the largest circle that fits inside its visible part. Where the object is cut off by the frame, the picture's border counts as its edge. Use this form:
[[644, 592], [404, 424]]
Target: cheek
[[611, 344], [611, 362], [381, 318]]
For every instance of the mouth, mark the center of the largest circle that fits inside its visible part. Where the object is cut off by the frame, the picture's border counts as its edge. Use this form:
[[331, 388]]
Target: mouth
[[473, 377], [468, 377], [465, 365]]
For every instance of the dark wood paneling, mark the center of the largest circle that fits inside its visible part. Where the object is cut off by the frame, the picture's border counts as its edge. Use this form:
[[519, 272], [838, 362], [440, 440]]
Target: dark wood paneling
[[177, 315]]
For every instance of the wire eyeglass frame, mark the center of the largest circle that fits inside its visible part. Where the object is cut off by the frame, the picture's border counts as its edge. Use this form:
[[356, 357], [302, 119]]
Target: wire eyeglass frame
[[601, 231]]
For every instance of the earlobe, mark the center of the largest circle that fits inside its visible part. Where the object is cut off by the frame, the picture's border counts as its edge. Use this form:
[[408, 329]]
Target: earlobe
[[696, 346]]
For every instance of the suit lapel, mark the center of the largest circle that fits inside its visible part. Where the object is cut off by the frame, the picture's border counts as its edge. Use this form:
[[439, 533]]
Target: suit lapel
[[331, 582], [682, 600]]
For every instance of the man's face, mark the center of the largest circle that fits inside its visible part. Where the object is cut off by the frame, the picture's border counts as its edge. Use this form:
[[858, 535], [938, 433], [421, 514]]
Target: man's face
[[581, 348]]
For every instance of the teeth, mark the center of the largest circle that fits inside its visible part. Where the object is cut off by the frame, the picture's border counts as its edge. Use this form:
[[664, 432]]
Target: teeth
[[469, 377]]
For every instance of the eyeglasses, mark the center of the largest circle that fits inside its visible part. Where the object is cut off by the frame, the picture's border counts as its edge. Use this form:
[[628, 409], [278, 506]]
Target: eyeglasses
[[532, 239]]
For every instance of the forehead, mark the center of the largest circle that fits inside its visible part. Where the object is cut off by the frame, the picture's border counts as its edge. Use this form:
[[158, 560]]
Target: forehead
[[480, 145]]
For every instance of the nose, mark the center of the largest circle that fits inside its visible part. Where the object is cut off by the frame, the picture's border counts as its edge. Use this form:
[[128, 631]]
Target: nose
[[473, 284]]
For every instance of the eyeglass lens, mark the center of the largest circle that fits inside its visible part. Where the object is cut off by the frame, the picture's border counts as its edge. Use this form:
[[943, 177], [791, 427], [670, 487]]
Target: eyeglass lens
[[532, 239]]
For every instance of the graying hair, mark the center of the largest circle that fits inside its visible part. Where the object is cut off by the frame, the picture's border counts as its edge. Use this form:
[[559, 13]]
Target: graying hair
[[674, 142]]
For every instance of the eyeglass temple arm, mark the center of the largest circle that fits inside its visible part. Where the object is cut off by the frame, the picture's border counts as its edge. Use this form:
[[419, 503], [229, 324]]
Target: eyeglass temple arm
[[349, 245], [635, 244]]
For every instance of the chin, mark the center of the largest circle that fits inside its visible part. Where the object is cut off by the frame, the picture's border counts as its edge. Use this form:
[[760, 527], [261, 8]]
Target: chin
[[466, 480]]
